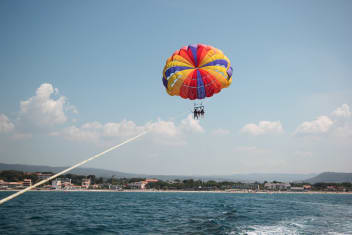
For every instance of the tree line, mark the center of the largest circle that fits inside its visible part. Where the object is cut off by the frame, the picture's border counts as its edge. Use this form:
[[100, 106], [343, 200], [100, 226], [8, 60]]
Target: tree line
[[177, 184]]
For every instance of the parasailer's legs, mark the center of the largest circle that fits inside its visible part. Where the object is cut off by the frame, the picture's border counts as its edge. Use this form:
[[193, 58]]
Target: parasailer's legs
[[198, 111], [202, 112], [195, 114]]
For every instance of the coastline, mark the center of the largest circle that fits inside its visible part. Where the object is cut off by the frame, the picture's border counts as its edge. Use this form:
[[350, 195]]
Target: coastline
[[185, 191]]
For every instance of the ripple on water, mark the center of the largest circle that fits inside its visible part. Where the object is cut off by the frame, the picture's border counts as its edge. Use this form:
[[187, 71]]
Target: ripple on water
[[175, 213]]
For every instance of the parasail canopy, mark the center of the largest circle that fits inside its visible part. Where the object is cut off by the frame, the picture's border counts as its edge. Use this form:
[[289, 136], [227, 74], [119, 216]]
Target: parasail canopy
[[197, 71]]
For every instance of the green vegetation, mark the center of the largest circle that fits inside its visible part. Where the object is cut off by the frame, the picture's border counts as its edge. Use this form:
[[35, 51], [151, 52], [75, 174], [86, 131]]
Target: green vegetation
[[14, 176], [193, 185], [186, 184]]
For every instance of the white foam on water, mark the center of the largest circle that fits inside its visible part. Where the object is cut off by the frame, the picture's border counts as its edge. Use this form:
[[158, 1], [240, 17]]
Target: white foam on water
[[289, 227], [272, 230], [335, 233], [301, 226]]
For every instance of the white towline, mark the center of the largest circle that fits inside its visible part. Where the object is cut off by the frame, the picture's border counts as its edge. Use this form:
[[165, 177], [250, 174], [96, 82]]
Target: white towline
[[68, 169]]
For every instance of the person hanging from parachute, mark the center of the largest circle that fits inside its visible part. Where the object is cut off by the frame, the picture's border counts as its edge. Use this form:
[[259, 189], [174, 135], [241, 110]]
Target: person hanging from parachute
[[202, 112], [198, 111], [195, 112], [195, 72]]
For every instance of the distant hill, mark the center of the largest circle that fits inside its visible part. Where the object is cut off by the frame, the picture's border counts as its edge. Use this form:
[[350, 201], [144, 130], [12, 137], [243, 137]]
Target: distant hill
[[330, 177], [260, 177], [78, 171], [326, 177], [282, 177]]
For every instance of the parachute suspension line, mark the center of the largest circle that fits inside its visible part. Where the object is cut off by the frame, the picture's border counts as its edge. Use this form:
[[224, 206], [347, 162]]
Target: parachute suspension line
[[71, 168]]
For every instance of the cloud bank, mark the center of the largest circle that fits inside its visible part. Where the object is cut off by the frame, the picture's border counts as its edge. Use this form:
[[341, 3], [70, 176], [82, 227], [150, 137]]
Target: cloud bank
[[343, 111], [263, 127], [338, 124], [320, 125], [98, 132]]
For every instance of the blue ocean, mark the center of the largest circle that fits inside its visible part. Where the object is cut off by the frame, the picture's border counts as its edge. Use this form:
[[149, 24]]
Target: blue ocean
[[175, 213]]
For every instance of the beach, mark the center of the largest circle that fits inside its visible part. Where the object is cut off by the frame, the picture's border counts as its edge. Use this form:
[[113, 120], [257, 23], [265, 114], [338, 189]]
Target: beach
[[185, 191]]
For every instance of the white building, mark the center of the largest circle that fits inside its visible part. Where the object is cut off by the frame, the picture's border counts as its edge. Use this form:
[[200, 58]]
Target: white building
[[141, 184], [85, 183], [27, 182], [61, 183], [3, 184], [277, 186], [137, 185]]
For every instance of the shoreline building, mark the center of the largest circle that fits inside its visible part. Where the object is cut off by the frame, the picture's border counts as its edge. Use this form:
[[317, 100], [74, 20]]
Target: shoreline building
[[3, 184], [141, 184], [297, 189], [27, 183], [11, 185], [137, 185], [85, 183], [277, 186], [61, 183], [246, 186]]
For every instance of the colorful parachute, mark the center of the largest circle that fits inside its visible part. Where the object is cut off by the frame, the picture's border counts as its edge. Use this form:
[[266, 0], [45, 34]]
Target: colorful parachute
[[196, 72]]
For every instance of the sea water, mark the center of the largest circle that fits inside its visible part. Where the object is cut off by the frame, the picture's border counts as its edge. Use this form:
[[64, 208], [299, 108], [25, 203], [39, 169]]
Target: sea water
[[175, 213]]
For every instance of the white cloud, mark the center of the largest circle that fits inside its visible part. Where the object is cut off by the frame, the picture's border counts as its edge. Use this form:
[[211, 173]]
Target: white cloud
[[342, 128], [48, 108], [338, 124], [78, 134], [165, 128], [343, 123], [121, 129], [320, 125], [162, 131], [220, 132], [92, 125], [43, 110], [191, 124], [95, 131], [5, 124], [264, 127], [343, 111]]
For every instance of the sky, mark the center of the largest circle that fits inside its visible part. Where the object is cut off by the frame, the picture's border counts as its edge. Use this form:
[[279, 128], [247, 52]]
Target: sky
[[77, 77]]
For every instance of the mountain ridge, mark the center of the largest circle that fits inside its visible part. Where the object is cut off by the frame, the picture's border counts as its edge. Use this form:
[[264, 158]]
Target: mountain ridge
[[331, 177], [260, 177]]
